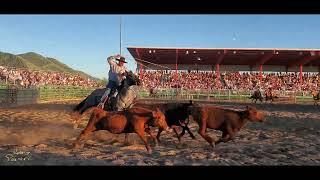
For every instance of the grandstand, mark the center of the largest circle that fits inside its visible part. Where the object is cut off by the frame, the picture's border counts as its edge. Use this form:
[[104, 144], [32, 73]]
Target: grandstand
[[238, 69], [229, 59]]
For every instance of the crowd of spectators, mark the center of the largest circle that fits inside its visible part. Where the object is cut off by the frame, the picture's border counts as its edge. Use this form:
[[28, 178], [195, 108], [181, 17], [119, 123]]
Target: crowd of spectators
[[190, 80], [27, 78], [208, 80]]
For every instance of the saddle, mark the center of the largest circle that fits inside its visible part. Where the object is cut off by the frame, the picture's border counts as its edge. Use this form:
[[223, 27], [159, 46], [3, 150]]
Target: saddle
[[119, 100]]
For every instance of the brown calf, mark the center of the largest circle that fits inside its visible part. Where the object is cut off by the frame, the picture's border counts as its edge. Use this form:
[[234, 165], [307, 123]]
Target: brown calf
[[134, 120], [226, 120]]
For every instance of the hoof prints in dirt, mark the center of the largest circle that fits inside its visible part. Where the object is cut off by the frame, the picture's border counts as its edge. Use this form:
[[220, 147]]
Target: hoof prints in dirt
[[44, 135]]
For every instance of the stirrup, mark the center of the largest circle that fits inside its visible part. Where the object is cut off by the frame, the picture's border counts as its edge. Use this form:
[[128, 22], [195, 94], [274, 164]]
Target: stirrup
[[101, 105]]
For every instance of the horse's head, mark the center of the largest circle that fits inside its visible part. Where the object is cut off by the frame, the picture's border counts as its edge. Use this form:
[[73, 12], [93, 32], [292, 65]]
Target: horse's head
[[132, 79]]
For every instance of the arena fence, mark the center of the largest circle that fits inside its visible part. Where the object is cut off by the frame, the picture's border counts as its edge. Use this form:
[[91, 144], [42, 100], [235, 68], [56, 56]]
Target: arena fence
[[63, 92], [13, 96], [290, 96], [10, 96]]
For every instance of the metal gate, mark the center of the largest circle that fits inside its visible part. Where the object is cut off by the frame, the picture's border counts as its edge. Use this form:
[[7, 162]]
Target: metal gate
[[8, 96], [12, 96]]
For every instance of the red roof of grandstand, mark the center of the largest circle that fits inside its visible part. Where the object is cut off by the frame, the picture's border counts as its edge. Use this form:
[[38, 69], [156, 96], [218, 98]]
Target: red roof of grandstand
[[227, 56]]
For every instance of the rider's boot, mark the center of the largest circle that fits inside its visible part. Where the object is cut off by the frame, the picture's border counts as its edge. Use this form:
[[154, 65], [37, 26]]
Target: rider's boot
[[104, 98]]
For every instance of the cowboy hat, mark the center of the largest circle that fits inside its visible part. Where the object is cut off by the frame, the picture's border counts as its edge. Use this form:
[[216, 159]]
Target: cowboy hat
[[121, 58]]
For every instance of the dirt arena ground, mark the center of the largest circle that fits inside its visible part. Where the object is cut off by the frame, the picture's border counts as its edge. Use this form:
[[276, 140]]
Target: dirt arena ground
[[42, 134]]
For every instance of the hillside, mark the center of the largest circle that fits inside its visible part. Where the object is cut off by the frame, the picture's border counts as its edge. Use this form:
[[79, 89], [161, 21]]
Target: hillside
[[34, 61], [7, 59]]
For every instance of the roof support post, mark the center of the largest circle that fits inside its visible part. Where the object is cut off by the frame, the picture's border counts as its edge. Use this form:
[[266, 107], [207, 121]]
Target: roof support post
[[301, 73], [221, 57], [218, 73], [213, 74], [218, 65], [176, 68], [139, 64], [260, 73]]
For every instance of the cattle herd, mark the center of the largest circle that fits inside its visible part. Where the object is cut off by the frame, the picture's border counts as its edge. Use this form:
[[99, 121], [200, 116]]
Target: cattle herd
[[141, 117]]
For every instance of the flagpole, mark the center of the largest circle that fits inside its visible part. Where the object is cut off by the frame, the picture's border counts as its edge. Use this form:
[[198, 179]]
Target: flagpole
[[120, 36]]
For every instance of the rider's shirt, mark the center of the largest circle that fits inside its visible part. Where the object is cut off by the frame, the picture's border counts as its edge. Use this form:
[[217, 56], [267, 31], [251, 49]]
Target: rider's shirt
[[115, 71]]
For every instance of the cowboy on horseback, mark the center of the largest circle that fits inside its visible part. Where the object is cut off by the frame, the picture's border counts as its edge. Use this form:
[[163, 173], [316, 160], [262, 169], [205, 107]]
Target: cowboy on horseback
[[116, 75]]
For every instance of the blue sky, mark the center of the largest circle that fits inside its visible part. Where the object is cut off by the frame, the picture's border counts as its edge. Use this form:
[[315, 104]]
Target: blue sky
[[85, 41]]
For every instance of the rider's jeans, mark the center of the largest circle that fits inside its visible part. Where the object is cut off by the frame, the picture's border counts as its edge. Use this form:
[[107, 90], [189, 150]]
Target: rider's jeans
[[110, 85]]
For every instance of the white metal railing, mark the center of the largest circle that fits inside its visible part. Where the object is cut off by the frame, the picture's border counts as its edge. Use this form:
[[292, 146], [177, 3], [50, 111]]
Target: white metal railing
[[224, 94]]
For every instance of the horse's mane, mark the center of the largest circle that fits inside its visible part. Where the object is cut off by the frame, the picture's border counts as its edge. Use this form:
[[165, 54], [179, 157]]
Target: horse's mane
[[132, 77]]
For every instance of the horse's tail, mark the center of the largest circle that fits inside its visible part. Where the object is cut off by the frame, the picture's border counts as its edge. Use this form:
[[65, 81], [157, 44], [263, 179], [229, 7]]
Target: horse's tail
[[80, 105]]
